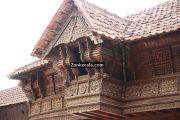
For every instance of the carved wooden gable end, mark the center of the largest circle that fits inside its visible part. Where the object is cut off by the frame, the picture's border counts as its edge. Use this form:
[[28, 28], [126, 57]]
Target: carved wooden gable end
[[75, 28]]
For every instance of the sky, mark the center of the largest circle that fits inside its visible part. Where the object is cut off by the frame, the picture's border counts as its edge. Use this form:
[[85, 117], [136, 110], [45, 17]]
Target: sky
[[22, 22]]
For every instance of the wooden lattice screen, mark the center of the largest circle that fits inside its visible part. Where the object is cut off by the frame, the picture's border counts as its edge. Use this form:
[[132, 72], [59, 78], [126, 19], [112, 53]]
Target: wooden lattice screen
[[162, 61]]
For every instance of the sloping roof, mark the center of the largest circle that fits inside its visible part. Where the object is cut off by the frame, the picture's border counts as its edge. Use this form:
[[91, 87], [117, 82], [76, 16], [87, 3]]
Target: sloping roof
[[99, 21], [162, 18], [11, 96], [32, 66]]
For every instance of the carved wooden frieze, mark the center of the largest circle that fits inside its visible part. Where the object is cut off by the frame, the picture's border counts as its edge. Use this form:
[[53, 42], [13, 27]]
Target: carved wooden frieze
[[57, 103], [45, 106], [159, 106], [111, 89], [83, 88], [94, 86], [72, 91], [133, 91], [168, 85], [150, 89], [35, 108]]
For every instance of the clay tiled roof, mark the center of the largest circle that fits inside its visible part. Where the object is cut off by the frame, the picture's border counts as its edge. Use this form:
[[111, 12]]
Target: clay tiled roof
[[32, 66], [160, 19], [103, 22], [99, 20], [12, 96]]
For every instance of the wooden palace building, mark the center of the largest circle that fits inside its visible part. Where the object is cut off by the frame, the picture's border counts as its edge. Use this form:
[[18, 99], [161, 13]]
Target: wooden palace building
[[141, 54]]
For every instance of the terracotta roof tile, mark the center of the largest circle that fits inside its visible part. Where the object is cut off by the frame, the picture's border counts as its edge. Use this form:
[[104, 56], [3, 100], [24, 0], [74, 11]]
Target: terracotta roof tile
[[34, 65], [162, 18], [110, 25], [12, 96]]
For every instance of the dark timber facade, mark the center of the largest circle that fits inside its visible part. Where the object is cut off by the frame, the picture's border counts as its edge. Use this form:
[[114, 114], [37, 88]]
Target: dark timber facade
[[141, 77], [13, 104]]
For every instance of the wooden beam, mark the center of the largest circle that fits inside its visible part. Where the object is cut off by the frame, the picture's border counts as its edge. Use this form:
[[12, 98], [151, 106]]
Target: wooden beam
[[109, 114], [89, 116], [104, 116]]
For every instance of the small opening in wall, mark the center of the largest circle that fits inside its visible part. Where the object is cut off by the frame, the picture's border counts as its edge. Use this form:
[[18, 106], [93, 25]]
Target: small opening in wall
[[82, 71], [23, 112]]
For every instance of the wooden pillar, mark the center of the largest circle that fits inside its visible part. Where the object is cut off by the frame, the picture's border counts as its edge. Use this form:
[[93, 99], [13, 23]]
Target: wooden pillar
[[33, 78], [124, 70], [40, 83]]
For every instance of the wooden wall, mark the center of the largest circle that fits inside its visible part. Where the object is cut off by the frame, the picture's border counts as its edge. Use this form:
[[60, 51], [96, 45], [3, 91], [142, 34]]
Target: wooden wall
[[14, 112]]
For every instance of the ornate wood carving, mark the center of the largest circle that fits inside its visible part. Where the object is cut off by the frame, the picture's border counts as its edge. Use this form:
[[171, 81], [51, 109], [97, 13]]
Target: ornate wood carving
[[77, 28], [162, 61], [82, 55], [45, 106]]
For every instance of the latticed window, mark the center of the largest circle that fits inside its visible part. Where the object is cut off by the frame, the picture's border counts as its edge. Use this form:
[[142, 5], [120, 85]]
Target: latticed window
[[162, 61]]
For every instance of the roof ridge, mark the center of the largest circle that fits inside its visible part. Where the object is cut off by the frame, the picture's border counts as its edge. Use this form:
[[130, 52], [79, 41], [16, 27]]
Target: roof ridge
[[10, 88], [105, 10]]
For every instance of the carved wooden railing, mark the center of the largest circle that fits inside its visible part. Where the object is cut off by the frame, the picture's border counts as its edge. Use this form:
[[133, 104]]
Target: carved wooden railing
[[153, 94]]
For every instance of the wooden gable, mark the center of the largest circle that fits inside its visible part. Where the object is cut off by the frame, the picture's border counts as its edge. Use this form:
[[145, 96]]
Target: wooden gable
[[74, 29]]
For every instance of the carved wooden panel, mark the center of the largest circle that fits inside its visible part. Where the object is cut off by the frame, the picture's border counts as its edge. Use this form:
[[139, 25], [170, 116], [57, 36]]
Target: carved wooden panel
[[35, 108], [112, 90], [144, 64], [94, 86], [83, 88], [76, 28], [133, 91], [168, 85], [72, 91], [57, 103], [46, 106], [176, 57], [150, 89], [162, 61]]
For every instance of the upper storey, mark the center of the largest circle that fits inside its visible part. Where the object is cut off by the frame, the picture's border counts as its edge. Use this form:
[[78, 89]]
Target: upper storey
[[163, 18], [99, 22]]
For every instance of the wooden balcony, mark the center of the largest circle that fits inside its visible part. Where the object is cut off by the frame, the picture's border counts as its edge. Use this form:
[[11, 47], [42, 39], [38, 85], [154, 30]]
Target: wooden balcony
[[160, 93], [95, 97]]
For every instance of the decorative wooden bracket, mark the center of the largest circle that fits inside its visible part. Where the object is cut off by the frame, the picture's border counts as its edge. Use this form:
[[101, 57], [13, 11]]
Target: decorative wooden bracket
[[82, 51], [67, 74], [71, 58]]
